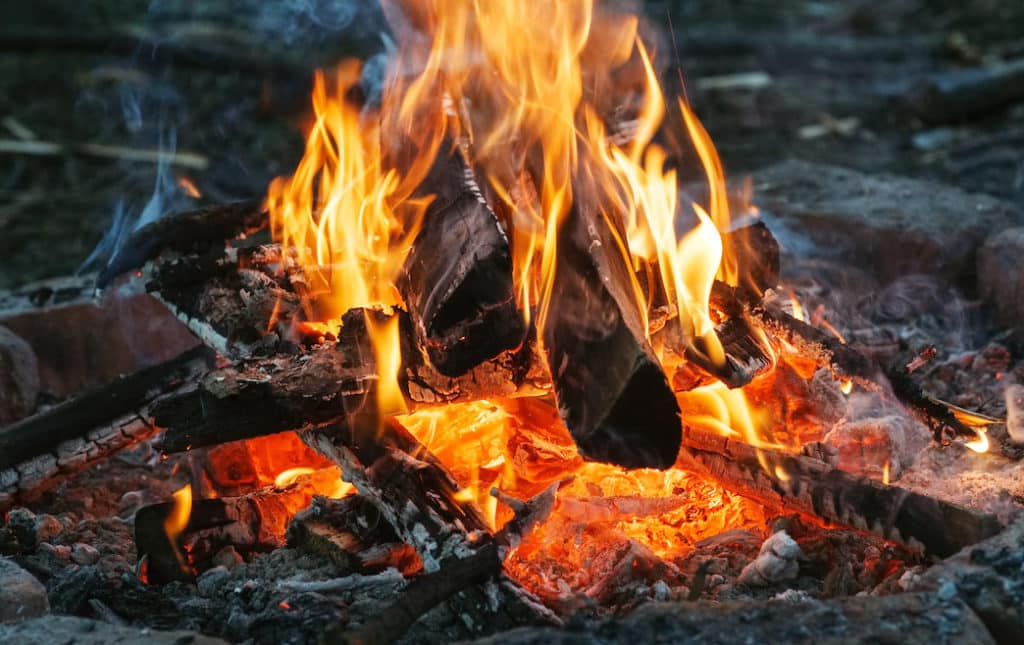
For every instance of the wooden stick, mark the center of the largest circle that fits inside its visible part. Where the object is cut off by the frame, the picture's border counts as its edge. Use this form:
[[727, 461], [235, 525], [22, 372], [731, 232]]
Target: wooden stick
[[810, 486], [185, 159]]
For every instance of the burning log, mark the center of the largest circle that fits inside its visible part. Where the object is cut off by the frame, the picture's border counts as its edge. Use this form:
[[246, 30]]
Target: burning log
[[809, 486], [251, 523], [461, 300], [267, 396], [39, 452], [611, 390]]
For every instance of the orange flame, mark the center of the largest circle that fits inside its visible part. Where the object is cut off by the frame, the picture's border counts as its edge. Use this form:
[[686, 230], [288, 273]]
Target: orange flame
[[177, 519]]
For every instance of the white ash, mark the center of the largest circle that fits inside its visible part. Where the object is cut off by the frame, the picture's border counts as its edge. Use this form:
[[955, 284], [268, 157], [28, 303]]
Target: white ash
[[1014, 396], [777, 561], [390, 577]]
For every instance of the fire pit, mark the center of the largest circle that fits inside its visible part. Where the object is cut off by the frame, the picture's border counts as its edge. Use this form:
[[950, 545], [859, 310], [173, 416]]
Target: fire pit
[[507, 357]]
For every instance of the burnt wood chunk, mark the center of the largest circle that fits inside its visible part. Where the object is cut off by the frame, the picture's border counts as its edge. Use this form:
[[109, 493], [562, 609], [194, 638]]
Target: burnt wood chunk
[[806, 485], [192, 231], [757, 251], [289, 392], [457, 280], [611, 391]]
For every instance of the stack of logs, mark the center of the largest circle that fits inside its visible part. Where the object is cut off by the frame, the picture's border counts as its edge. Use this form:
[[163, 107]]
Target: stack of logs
[[463, 339]]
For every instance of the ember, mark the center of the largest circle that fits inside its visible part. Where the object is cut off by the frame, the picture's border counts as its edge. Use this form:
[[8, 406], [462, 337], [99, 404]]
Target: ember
[[507, 341]]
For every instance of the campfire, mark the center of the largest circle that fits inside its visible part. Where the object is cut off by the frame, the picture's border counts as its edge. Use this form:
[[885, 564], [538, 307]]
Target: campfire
[[507, 334]]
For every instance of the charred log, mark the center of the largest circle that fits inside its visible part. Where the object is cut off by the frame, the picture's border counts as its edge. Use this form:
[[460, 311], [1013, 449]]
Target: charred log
[[611, 390], [190, 232], [251, 523], [73, 419], [461, 299], [809, 486], [758, 254], [330, 383]]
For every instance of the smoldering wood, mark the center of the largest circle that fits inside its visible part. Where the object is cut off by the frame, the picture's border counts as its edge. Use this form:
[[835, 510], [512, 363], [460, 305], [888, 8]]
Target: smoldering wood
[[847, 362], [954, 96], [611, 391], [457, 573], [806, 485], [255, 522], [187, 232], [289, 392], [41, 433], [457, 279], [351, 533], [28, 480]]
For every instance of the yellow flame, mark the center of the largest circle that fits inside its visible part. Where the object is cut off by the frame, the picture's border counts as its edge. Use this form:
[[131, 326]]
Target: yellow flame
[[287, 477], [846, 386], [885, 472], [177, 520], [387, 348], [981, 443]]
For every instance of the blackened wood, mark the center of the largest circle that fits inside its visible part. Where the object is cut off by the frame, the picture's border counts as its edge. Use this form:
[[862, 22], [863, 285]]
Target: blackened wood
[[290, 392], [251, 523], [611, 390], [746, 356], [757, 252], [457, 279], [955, 96], [192, 231], [804, 484], [39, 433], [847, 362]]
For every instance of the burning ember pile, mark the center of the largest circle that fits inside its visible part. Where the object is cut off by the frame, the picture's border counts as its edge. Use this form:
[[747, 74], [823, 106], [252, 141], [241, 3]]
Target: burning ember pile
[[491, 338]]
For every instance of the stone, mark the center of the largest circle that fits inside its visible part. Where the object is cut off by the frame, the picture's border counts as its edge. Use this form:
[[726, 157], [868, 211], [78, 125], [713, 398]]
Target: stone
[[901, 618], [47, 527], [82, 553], [777, 561], [22, 596], [895, 225], [1000, 278], [1014, 396], [82, 631], [989, 577], [19, 377]]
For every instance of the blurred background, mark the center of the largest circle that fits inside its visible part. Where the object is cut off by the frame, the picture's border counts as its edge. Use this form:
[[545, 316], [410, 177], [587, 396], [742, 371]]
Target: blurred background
[[95, 95]]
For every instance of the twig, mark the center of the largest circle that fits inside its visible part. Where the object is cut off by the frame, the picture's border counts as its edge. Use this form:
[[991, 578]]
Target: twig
[[192, 160]]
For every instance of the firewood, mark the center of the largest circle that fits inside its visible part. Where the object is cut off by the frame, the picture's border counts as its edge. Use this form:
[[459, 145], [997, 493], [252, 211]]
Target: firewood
[[611, 390], [73, 419], [809, 486], [457, 280], [191, 231], [254, 522], [457, 573], [265, 396]]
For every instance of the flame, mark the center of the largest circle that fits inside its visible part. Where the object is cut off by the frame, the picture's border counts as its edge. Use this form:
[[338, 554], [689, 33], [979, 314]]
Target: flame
[[177, 519], [287, 477], [885, 472], [188, 187], [387, 349], [846, 386], [981, 443]]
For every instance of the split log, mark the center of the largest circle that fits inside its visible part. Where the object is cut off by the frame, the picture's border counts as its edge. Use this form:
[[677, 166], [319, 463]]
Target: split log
[[611, 390], [457, 279], [806, 485], [267, 396], [188, 232]]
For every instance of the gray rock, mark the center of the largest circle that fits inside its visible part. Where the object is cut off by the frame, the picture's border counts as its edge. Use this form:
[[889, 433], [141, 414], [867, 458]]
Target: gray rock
[[896, 226], [82, 631], [989, 577], [1001, 276], [21, 595], [19, 377], [901, 618]]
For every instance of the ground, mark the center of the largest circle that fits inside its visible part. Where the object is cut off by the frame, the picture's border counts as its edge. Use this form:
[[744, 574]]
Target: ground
[[231, 86]]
